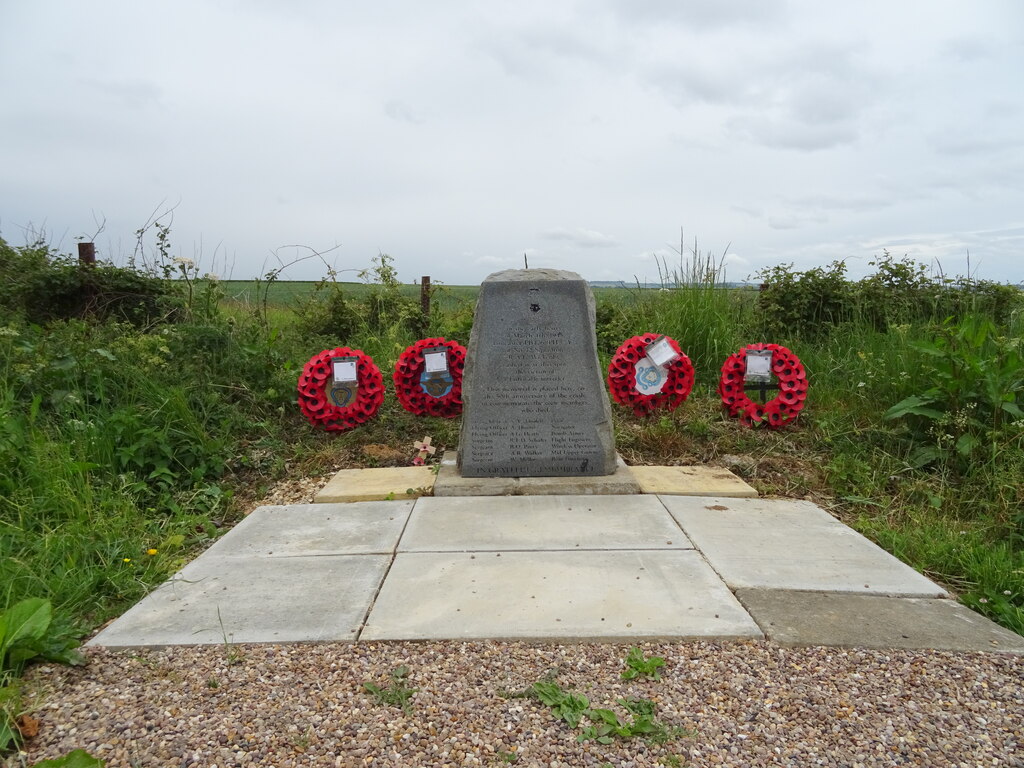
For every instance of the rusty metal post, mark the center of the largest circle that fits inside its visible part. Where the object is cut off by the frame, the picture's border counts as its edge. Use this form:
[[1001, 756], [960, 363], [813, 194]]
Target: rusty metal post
[[87, 254], [425, 295]]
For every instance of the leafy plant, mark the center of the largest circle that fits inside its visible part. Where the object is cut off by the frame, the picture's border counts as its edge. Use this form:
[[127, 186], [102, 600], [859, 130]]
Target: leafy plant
[[637, 665], [25, 635], [79, 758], [976, 378], [566, 705], [397, 694], [605, 725]]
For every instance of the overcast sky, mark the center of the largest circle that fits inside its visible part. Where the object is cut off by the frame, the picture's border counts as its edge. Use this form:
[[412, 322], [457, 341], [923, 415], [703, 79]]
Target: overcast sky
[[457, 136]]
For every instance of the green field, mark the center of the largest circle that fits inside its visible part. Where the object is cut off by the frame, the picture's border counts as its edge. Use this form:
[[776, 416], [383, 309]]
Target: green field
[[288, 294]]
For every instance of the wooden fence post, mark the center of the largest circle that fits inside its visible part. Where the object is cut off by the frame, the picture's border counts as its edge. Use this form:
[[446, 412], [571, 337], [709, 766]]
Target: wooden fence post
[[87, 254], [425, 295]]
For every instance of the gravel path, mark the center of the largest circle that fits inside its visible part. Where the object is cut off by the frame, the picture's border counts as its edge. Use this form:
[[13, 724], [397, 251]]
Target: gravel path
[[741, 704]]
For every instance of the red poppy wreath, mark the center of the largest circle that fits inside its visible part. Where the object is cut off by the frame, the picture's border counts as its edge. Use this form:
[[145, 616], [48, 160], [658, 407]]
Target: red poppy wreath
[[340, 388], [780, 410], [428, 378], [638, 382]]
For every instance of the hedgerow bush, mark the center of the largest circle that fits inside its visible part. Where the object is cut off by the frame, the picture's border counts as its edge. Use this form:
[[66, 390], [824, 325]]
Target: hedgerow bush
[[900, 291], [41, 286]]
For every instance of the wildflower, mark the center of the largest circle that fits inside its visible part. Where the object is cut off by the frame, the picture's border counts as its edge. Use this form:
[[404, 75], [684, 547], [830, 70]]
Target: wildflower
[[184, 261], [982, 599], [150, 552], [127, 560], [1007, 592]]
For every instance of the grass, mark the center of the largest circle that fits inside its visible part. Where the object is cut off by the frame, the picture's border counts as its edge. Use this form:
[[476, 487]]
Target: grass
[[119, 440]]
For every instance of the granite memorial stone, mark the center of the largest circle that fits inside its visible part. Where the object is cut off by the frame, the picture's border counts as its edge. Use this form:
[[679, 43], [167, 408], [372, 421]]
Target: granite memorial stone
[[534, 401]]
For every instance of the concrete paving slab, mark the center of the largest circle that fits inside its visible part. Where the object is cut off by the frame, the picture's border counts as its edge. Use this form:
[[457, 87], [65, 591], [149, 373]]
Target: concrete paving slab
[[555, 595], [377, 484], [791, 545], [691, 481], [480, 523], [253, 600], [365, 527], [871, 621], [450, 483]]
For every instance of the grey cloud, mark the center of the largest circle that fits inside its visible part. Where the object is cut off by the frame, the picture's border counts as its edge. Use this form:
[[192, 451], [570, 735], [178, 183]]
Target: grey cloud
[[795, 220], [582, 238], [402, 112], [813, 99], [705, 14], [534, 53], [966, 50], [974, 143], [855, 203], [788, 132], [695, 81], [135, 94]]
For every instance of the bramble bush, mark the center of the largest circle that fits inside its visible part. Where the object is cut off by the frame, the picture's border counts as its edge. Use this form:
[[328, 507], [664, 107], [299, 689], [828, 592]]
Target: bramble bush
[[40, 286], [810, 304]]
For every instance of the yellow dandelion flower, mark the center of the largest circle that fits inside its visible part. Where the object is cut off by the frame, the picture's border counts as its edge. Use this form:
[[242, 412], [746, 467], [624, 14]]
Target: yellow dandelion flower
[[127, 560], [150, 551]]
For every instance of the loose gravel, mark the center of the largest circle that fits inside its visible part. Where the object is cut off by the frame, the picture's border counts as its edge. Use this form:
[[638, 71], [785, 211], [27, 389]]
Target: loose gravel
[[738, 704]]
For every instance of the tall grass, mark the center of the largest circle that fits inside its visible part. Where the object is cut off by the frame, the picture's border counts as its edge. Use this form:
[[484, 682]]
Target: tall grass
[[693, 305]]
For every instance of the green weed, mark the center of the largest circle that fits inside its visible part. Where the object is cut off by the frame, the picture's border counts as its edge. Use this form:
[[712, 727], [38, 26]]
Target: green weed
[[603, 725], [637, 665], [969, 409], [397, 693], [78, 758]]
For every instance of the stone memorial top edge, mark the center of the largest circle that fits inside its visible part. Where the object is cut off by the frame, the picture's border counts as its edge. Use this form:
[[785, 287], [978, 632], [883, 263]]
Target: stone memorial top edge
[[541, 273]]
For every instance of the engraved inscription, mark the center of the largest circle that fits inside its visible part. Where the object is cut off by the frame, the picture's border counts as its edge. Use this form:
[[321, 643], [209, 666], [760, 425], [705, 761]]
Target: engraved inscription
[[549, 406], [535, 403]]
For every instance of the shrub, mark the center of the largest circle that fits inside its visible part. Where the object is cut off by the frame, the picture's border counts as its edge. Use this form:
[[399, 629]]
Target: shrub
[[41, 287], [804, 304]]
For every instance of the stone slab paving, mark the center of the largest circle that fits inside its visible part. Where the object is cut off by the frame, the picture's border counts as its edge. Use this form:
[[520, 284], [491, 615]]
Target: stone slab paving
[[243, 599], [555, 595], [791, 545], [377, 484], [872, 621], [691, 481], [549, 567], [506, 523], [369, 527]]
